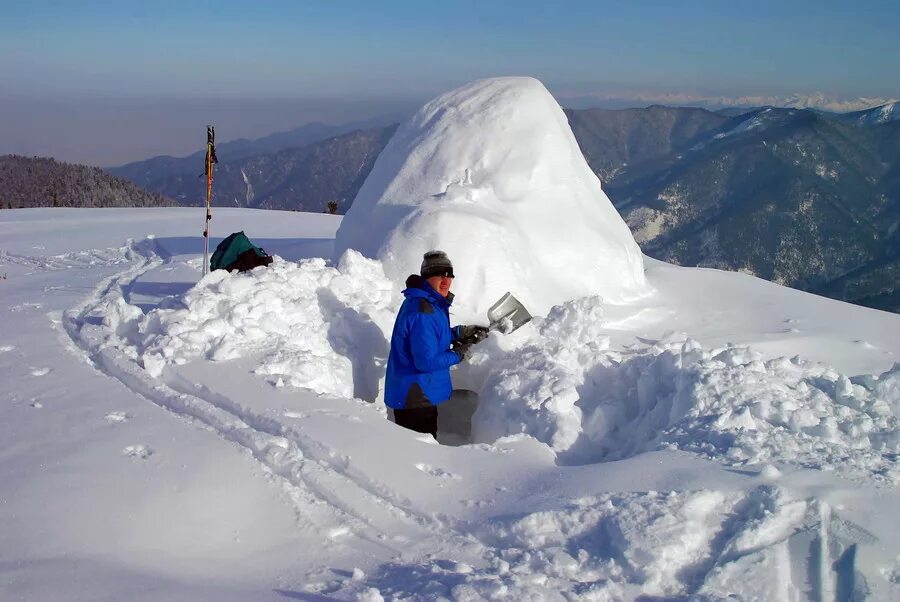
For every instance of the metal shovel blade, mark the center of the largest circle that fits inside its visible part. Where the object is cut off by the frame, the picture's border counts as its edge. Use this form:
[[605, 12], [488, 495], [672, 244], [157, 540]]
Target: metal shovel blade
[[508, 314]]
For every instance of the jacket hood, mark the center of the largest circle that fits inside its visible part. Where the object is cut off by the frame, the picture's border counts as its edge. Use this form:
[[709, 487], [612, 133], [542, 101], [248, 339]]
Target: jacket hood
[[416, 286]]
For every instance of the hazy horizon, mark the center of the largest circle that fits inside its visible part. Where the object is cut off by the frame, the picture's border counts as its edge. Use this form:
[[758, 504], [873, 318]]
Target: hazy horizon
[[112, 132], [108, 82], [108, 133]]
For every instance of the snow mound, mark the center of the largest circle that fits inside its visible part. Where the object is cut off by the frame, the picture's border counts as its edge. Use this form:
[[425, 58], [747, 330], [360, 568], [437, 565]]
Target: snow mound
[[492, 174], [313, 326], [566, 388]]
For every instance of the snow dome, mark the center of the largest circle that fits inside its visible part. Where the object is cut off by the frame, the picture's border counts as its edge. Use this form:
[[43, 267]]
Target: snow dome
[[492, 174]]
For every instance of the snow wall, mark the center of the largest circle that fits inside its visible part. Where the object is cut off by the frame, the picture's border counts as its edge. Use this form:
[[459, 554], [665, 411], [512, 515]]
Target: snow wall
[[492, 174]]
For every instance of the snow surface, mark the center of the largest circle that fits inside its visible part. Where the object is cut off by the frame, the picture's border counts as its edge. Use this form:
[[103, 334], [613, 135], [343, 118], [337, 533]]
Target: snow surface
[[668, 433], [484, 172], [696, 468]]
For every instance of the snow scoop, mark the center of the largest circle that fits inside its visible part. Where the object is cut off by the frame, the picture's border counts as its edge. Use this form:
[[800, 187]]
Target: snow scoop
[[507, 314]]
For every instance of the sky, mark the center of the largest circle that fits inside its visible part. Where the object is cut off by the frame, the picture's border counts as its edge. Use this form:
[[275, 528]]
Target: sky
[[82, 70]]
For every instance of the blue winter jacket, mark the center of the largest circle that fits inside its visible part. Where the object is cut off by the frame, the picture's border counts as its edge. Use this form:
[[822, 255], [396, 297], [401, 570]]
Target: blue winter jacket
[[418, 369]]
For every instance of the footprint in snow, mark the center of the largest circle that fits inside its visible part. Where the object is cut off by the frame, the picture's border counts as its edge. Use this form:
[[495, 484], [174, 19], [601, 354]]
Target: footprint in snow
[[116, 417], [437, 472], [40, 371], [141, 452]]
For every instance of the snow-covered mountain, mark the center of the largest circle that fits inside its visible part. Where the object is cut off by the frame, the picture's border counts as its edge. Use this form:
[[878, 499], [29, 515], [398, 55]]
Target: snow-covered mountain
[[794, 196], [816, 100], [169, 437], [874, 116]]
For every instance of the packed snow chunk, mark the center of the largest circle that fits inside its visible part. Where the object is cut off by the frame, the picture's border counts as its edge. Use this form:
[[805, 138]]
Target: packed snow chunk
[[312, 326], [535, 389], [492, 174]]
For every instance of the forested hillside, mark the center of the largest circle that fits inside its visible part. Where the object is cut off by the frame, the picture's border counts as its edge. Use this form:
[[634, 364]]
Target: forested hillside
[[43, 182]]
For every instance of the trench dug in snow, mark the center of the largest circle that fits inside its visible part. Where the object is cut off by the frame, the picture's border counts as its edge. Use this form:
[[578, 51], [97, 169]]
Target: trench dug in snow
[[455, 418]]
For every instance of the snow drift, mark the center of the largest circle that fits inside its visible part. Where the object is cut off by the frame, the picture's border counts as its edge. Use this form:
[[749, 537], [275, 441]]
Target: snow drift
[[310, 325], [492, 174]]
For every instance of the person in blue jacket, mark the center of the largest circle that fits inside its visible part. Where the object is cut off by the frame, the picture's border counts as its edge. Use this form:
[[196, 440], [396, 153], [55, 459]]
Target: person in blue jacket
[[424, 346]]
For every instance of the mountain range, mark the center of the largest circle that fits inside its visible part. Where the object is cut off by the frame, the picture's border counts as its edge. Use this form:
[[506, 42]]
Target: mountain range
[[151, 172], [799, 197], [802, 197]]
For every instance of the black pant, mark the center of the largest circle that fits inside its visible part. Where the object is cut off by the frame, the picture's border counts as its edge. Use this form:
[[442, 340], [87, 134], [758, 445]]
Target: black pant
[[420, 420]]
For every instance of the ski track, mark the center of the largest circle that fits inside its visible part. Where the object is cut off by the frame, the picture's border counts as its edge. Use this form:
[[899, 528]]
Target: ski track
[[327, 464], [314, 476], [90, 258]]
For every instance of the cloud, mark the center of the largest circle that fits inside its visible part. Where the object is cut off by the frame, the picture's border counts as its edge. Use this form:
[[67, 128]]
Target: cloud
[[633, 98]]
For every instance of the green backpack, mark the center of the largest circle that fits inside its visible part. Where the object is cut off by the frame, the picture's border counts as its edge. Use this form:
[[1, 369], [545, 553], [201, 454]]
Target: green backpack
[[237, 253]]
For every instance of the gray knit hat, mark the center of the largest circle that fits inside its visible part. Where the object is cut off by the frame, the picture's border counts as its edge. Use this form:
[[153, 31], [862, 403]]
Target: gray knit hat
[[436, 263]]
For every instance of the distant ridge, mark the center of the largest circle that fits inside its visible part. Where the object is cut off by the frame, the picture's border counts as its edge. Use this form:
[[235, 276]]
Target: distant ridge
[[149, 172], [804, 198], [874, 116], [302, 178]]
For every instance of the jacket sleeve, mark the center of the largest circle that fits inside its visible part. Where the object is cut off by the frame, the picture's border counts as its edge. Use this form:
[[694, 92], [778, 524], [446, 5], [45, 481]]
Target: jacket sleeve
[[423, 342]]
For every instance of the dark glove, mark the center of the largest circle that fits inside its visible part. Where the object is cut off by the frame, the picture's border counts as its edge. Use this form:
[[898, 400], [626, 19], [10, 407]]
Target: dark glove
[[471, 334], [463, 350]]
